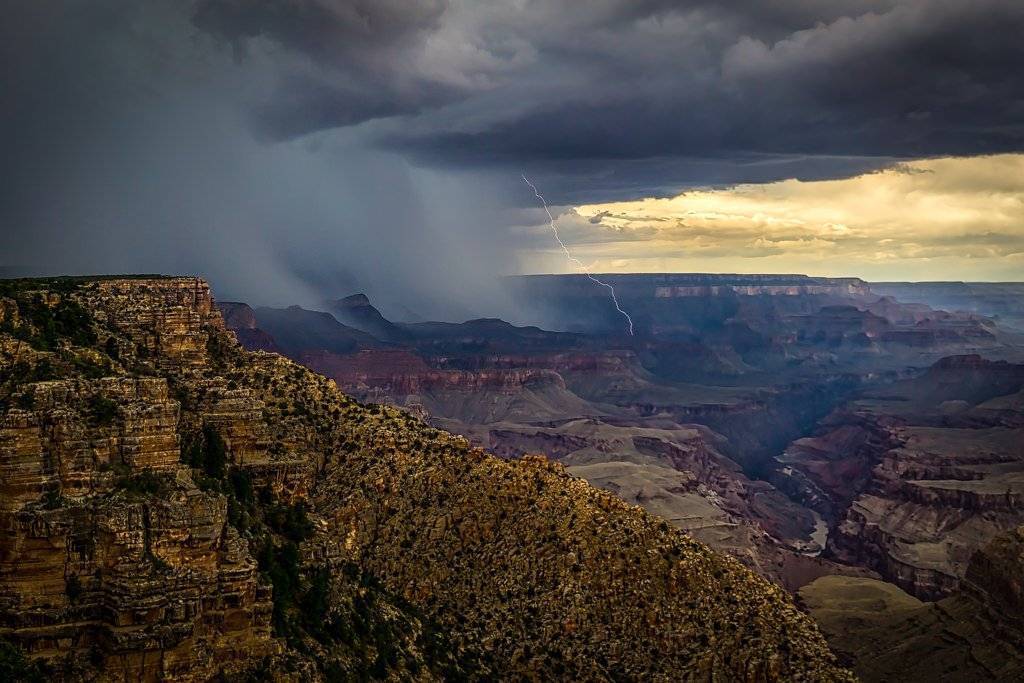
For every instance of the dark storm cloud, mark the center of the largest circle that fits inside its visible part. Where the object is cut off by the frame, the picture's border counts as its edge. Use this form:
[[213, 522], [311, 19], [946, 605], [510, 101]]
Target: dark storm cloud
[[700, 91], [359, 49], [129, 147], [921, 78], [289, 148], [925, 78], [305, 104], [328, 30]]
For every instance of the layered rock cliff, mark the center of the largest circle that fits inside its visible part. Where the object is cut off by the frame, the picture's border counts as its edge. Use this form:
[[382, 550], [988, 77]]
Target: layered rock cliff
[[241, 319], [976, 634], [173, 506], [111, 557], [921, 474]]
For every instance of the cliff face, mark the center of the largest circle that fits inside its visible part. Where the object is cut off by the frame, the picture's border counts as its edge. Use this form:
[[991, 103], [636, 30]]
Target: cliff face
[[357, 311], [921, 474], [762, 317], [241, 319], [399, 374], [973, 635], [994, 299], [678, 474], [172, 506], [166, 318], [670, 285], [996, 575], [108, 549]]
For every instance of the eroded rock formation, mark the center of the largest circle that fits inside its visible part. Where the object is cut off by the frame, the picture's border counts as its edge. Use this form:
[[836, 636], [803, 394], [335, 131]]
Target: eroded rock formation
[[921, 474]]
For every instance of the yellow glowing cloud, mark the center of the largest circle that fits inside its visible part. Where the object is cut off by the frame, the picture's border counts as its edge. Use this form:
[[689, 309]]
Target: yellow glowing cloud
[[936, 219]]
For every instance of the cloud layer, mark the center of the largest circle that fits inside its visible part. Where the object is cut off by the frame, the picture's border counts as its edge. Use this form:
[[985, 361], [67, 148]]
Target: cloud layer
[[925, 220], [576, 87], [130, 146], [298, 149]]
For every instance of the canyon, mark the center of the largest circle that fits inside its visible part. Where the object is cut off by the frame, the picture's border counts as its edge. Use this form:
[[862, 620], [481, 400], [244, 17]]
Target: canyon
[[175, 506], [814, 429], [921, 474]]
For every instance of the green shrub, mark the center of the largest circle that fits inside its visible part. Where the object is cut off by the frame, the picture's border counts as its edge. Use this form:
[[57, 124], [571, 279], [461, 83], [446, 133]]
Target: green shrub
[[14, 666], [104, 410], [52, 500], [87, 366], [315, 604], [143, 484], [215, 456], [112, 348], [280, 564], [207, 451], [25, 401], [291, 521], [44, 326], [241, 486], [73, 588]]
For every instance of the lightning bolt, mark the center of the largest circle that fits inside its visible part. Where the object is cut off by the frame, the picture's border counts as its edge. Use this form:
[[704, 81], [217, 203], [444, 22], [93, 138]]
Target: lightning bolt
[[579, 264]]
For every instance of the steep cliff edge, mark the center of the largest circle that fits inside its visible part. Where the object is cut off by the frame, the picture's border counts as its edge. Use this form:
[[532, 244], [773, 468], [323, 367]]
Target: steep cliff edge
[[173, 506], [919, 475], [974, 635], [241, 319], [110, 554]]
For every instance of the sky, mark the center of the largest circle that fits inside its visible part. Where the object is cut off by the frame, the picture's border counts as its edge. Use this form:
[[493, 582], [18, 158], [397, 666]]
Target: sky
[[296, 150], [935, 219]]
